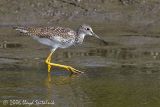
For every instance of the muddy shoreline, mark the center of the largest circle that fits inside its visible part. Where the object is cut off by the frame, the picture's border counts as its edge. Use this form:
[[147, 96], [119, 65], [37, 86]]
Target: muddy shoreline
[[136, 15]]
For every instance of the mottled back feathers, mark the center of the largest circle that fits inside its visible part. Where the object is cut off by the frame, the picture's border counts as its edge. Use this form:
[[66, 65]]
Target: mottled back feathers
[[48, 32]]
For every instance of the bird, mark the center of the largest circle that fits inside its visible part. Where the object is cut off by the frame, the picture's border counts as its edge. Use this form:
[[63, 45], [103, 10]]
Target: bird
[[58, 37]]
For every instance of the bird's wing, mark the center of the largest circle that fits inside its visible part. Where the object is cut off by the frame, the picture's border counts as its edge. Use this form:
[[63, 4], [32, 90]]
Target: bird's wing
[[48, 32]]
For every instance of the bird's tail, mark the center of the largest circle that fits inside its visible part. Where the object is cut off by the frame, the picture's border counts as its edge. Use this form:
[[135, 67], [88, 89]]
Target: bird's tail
[[21, 29]]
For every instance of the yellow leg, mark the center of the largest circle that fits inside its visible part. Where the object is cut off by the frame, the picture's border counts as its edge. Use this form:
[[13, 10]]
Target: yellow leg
[[69, 68], [48, 60]]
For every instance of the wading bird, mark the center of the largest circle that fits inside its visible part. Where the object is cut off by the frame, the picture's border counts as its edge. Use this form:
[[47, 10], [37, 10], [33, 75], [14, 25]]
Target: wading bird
[[58, 37]]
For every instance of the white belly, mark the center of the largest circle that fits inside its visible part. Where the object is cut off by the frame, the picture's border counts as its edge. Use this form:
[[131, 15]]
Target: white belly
[[54, 43], [44, 41]]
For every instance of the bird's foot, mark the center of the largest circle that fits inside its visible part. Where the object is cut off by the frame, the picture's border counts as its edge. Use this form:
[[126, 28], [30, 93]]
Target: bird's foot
[[73, 70], [69, 68]]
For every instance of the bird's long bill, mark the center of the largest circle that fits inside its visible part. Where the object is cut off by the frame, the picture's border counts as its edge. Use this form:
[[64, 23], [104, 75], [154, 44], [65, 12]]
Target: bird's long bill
[[100, 39]]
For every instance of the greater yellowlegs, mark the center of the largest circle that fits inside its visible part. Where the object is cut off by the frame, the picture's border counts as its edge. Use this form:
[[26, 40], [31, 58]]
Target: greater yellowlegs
[[58, 37]]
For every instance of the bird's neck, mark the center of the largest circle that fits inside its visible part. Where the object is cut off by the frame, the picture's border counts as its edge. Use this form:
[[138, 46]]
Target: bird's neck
[[80, 37]]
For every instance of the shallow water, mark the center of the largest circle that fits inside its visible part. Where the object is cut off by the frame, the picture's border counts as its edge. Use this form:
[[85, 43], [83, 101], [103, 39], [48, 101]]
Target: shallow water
[[124, 73]]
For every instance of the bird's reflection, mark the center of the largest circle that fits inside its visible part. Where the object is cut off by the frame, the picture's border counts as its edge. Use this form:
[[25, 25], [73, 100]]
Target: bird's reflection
[[59, 80]]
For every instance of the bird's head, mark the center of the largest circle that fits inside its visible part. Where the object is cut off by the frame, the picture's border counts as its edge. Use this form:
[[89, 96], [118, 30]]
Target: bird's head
[[87, 30]]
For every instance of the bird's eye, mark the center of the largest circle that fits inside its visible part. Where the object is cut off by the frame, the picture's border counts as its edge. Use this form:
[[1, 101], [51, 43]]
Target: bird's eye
[[88, 29]]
